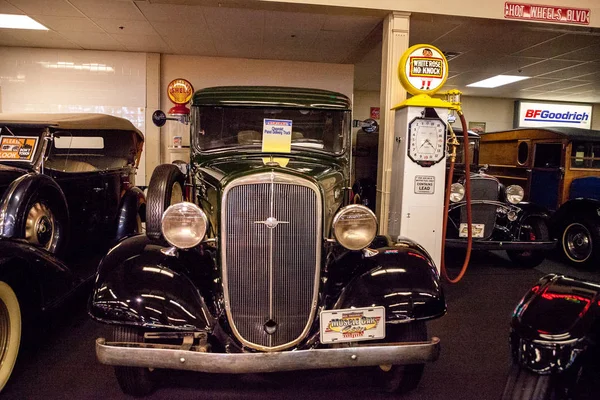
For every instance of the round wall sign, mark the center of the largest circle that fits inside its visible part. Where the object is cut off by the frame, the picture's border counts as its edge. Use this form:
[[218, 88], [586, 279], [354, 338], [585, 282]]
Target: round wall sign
[[180, 91], [423, 69]]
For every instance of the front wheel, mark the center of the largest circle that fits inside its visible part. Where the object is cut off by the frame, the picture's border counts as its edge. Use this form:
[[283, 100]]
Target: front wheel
[[134, 381], [10, 331], [533, 229], [579, 239], [523, 384], [402, 378]]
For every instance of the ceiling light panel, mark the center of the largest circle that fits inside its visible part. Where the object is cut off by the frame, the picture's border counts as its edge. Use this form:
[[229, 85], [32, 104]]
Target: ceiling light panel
[[498, 80], [12, 21]]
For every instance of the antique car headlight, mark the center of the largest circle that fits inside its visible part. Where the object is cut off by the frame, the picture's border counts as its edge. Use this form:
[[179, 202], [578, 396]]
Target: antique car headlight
[[184, 225], [355, 226], [457, 192], [514, 194]]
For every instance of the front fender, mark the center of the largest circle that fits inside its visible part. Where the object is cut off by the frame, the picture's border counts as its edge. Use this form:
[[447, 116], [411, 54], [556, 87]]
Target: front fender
[[402, 278], [137, 284], [533, 210], [132, 202]]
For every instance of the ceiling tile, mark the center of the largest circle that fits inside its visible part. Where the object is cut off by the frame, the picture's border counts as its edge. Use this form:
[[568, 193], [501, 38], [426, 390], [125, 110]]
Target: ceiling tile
[[591, 53], [43, 39], [237, 37], [560, 45], [181, 28], [171, 13], [197, 45], [543, 67], [129, 27], [6, 8], [67, 24], [574, 72], [344, 23], [57, 8], [293, 22], [147, 43], [557, 85], [96, 41], [109, 9]]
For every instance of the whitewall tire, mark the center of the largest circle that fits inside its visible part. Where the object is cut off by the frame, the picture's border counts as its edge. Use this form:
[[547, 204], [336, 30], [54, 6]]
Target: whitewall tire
[[10, 331]]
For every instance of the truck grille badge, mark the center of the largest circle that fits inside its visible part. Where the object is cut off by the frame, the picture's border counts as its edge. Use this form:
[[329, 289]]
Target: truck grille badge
[[271, 222]]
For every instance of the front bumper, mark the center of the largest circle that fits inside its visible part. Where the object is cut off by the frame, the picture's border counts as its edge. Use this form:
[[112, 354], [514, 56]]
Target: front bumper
[[157, 356], [501, 245]]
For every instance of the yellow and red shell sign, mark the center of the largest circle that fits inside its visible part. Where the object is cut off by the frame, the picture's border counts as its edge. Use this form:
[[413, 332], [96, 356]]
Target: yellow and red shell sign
[[423, 69], [180, 91]]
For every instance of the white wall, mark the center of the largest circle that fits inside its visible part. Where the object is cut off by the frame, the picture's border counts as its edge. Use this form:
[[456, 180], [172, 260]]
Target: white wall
[[214, 71], [52, 80]]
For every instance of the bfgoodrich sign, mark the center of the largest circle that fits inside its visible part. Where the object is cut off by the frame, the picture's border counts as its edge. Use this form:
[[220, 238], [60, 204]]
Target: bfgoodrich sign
[[530, 114]]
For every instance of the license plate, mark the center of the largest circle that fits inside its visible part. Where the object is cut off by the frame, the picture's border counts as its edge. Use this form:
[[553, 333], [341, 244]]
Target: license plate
[[477, 230], [352, 324]]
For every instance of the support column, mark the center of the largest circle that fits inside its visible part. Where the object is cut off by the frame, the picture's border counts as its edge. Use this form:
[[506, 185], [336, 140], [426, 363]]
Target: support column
[[395, 43], [152, 133]]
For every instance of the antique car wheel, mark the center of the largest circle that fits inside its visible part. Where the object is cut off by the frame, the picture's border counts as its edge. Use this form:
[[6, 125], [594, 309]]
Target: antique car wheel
[[523, 384], [530, 258], [165, 189], [10, 331], [578, 240], [40, 226], [402, 378], [134, 381]]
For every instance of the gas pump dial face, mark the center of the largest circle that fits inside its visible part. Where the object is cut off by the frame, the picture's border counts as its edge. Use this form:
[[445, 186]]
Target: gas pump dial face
[[426, 141]]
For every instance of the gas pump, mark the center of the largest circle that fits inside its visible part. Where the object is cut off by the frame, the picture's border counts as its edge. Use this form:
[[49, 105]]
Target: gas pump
[[420, 150]]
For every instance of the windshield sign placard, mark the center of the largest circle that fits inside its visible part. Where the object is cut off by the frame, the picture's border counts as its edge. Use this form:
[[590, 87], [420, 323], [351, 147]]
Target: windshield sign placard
[[17, 148], [277, 136]]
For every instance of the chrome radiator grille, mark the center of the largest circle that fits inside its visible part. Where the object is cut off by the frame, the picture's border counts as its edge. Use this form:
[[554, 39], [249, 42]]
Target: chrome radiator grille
[[483, 189], [271, 241]]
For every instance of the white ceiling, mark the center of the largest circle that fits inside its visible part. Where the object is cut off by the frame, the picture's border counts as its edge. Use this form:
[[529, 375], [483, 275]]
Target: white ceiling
[[563, 61]]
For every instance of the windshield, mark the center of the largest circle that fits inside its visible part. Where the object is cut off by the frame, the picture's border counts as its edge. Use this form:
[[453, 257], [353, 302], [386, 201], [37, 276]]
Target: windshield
[[226, 127], [473, 151], [20, 146]]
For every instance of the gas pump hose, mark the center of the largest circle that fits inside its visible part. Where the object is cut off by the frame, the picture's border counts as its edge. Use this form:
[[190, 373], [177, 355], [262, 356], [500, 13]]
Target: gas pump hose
[[468, 204]]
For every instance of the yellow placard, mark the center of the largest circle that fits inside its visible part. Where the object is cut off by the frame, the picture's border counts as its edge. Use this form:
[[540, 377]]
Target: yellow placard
[[277, 136], [17, 148]]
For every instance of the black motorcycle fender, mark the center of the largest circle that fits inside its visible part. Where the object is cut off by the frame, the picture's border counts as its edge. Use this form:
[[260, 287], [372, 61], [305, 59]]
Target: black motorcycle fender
[[137, 284], [132, 203], [403, 279]]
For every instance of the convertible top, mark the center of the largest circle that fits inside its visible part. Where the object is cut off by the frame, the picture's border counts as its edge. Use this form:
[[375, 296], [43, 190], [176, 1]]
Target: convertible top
[[79, 121]]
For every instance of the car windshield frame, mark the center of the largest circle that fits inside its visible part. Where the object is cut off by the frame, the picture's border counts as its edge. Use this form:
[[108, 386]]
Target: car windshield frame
[[249, 137]]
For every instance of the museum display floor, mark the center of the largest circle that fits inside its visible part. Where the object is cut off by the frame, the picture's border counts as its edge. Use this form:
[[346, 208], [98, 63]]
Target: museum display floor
[[474, 361]]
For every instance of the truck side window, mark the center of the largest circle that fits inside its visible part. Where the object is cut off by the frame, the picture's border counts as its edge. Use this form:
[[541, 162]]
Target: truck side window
[[547, 155], [523, 153], [585, 155]]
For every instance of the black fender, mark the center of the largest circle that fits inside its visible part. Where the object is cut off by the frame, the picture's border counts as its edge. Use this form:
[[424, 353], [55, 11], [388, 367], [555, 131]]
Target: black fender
[[402, 278], [133, 203], [42, 280], [137, 284], [554, 323], [533, 210], [571, 208], [17, 200]]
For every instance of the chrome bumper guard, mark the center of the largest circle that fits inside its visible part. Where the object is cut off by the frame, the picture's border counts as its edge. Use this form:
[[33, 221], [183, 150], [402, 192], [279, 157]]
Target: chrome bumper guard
[[155, 356]]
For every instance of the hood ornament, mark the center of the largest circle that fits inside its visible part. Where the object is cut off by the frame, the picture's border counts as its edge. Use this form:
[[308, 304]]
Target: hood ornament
[[271, 222]]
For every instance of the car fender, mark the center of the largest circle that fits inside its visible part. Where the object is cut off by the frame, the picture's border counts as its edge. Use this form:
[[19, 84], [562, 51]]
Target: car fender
[[133, 202], [402, 278], [13, 205], [571, 208], [533, 210], [42, 279], [137, 284], [553, 322]]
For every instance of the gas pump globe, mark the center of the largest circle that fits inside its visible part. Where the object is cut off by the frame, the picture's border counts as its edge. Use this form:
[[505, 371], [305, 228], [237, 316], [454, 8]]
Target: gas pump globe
[[419, 151]]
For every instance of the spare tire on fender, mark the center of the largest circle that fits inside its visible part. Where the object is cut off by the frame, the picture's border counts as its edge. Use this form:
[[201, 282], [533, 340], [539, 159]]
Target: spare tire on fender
[[165, 188]]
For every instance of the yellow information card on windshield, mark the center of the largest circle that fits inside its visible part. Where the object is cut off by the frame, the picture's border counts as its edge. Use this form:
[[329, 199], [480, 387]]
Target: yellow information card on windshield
[[277, 136], [17, 148]]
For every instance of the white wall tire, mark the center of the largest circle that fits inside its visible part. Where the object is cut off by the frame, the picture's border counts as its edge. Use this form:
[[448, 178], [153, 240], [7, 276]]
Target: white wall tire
[[10, 332]]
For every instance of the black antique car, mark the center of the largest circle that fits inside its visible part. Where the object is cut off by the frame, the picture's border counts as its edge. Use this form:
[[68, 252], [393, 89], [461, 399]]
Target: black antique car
[[66, 195], [554, 341], [254, 260], [501, 220]]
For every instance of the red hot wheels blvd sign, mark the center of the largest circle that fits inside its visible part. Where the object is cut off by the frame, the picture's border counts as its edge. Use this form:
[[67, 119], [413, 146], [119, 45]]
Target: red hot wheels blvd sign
[[536, 12]]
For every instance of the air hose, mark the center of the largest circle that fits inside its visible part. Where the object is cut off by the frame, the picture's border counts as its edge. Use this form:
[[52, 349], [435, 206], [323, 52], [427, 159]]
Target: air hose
[[467, 199]]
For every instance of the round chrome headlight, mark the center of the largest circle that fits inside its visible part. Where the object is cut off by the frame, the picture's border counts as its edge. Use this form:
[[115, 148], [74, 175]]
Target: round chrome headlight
[[457, 192], [355, 226], [184, 225], [514, 194]]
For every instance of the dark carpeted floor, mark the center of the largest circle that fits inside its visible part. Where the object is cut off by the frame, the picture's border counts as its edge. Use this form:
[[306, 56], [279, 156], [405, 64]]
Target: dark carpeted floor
[[473, 365]]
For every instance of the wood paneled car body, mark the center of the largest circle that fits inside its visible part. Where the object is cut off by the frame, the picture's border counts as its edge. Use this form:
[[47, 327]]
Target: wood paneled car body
[[558, 168], [66, 194], [266, 266]]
